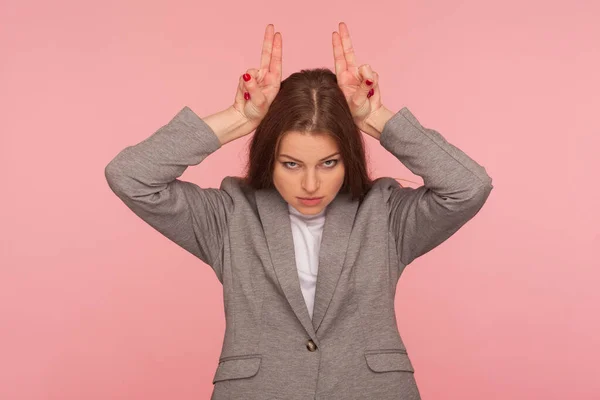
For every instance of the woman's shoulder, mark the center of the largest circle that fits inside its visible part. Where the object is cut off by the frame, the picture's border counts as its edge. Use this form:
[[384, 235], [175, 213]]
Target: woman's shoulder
[[385, 183], [383, 187], [236, 185]]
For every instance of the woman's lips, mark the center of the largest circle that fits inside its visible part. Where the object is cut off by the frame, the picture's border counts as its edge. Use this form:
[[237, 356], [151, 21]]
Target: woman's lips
[[310, 201]]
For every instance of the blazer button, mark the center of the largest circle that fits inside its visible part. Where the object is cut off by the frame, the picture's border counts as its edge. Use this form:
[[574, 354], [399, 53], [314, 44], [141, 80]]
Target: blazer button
[[310, 345]]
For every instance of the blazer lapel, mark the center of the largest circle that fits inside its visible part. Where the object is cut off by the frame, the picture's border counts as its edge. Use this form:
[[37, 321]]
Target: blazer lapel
[[273, 211], [339, 219]]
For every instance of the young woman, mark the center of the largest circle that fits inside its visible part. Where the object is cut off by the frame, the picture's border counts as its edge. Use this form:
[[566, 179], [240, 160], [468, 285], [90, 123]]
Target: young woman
[[307, 247]]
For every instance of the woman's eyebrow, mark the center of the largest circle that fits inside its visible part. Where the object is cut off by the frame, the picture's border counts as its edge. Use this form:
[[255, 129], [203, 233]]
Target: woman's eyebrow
[[295, 159]]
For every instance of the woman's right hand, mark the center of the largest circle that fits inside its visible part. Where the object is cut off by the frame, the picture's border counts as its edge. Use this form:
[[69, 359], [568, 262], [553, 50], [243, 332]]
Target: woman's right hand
[[258, 87]]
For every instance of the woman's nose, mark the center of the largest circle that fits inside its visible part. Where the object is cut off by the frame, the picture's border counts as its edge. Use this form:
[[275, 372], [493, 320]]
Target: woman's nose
[[310, 182]]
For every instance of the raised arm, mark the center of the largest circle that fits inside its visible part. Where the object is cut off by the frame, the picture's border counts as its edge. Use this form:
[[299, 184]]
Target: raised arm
[[145, 176], [455, 186]]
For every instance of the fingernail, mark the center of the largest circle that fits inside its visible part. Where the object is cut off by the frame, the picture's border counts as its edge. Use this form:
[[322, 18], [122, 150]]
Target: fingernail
[[246, 77], [370, 93], [247, 95], [368, 82]]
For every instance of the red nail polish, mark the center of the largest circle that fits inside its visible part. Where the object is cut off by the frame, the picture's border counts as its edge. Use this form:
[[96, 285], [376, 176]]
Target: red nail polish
[[368, 82], [371, 92], [246, 77], [247, 95]]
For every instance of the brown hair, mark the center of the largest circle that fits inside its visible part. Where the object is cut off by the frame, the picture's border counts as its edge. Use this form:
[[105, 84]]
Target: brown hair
[[309, 101]]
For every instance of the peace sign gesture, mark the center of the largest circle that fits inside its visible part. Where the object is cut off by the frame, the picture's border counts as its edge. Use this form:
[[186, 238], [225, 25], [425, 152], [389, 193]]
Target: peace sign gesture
[[359, 84], [258, 87]]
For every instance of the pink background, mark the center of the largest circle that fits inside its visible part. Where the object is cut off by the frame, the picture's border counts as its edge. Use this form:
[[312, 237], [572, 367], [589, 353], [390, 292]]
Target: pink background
[[95, 304]]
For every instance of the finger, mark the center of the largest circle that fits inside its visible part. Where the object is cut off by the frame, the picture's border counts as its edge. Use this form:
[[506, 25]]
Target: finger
[[276, 56], [267, 48], [251, 86], [239, 95], [361, 95], [366, 75], [376, 97], [338, 54], [347, 46]]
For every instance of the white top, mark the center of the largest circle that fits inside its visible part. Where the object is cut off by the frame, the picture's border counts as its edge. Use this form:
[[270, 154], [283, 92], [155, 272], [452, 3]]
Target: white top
[[307, 231]]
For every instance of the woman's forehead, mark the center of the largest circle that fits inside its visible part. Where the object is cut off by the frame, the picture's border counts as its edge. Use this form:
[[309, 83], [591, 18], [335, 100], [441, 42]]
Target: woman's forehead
[[307, 146]]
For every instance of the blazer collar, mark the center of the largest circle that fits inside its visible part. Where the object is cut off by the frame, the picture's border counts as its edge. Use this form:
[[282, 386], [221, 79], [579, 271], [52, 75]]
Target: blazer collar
[[339, 219]]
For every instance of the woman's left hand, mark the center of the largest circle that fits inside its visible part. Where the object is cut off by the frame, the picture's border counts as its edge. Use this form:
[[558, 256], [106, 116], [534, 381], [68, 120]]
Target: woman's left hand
[[359, 84]]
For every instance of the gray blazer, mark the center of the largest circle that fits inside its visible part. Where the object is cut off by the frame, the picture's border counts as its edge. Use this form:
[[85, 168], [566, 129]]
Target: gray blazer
[[272, 349]]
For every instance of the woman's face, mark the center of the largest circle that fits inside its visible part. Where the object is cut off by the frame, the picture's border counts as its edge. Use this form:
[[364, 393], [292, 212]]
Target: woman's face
[[308, 165]]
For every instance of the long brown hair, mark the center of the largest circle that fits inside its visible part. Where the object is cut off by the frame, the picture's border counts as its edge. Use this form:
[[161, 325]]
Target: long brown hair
[[309, 101]]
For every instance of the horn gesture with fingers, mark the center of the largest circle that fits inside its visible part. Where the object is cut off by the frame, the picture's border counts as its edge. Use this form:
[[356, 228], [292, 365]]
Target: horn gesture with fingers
[[257, 88], [360, 85]]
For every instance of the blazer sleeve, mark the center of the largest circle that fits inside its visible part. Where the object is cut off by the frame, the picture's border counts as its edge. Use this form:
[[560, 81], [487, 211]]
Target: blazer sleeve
[[144, 177], [454, 190]]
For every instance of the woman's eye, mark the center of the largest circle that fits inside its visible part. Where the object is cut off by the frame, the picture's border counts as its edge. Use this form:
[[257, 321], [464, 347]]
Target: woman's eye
[[293, 165]]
